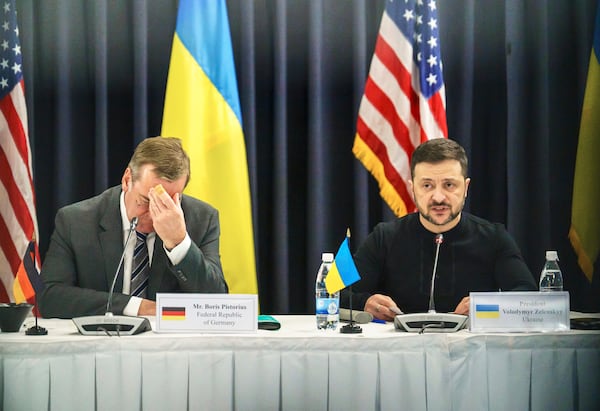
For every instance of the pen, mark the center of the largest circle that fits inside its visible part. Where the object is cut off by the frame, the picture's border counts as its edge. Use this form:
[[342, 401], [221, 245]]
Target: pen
[[378, 321]]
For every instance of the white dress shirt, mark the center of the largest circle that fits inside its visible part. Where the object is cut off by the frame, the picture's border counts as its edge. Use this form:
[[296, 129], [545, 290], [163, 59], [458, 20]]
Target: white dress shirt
[[175, 256]]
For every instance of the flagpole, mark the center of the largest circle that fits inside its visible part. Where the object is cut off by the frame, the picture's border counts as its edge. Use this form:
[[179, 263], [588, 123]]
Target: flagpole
[[36, 329], [351, 327]]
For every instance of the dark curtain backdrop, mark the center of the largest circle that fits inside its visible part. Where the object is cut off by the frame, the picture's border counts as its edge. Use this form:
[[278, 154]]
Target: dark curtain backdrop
[[515, 71]]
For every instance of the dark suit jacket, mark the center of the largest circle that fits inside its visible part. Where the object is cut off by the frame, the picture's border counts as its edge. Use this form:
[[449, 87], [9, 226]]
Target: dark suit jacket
[[87, 244]]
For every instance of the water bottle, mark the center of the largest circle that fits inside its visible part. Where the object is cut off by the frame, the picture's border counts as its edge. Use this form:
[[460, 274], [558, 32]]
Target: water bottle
[[551, 277], [327, 305]]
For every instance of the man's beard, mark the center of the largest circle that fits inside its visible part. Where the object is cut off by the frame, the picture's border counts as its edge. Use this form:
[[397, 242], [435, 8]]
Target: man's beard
[[453, 215]]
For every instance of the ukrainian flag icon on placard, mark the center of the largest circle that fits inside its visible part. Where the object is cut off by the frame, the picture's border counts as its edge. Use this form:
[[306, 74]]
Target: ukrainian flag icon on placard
[[173, 313], [487, 311]]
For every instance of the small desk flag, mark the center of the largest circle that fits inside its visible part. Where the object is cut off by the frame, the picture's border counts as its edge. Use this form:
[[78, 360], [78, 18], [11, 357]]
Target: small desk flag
[[343, 271], [27, 282]]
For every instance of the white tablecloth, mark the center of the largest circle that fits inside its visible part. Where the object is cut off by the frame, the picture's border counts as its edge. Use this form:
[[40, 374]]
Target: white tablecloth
[[299, 368]]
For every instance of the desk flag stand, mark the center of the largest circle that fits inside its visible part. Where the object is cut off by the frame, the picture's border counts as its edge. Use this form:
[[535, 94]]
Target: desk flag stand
[[37, 285], [36, 329], [351, 327]]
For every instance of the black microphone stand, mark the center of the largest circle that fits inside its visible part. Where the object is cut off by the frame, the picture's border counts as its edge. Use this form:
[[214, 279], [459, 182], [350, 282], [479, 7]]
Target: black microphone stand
[[432, 320]]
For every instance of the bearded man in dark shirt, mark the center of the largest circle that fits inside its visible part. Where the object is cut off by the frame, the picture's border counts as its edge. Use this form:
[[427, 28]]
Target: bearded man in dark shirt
[[396, 260]]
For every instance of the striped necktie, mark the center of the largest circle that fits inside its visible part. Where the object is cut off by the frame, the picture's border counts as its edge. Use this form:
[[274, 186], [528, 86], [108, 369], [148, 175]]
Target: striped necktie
[[140, 267]]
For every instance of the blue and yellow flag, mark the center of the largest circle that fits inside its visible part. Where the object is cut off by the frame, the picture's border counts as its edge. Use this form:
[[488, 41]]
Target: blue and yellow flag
[[585, 224], [343, 272], [487, 311], [202, 107]]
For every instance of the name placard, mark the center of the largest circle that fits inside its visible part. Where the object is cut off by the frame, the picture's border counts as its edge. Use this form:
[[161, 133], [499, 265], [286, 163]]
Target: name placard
[[519, 311], [206, 313]]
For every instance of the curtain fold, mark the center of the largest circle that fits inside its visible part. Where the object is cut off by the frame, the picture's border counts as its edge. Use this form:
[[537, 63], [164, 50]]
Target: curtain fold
[[99, 18], [95, 77], [279, 251], [362, 37]]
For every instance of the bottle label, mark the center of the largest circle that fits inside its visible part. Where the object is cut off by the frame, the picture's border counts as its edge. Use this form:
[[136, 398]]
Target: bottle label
[[551, 280], [327, 306]]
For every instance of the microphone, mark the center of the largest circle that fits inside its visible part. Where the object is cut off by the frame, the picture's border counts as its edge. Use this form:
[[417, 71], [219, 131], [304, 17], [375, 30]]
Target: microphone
[[132, 227], [440, 322], [360, 317], [439, 239], [108, 323]]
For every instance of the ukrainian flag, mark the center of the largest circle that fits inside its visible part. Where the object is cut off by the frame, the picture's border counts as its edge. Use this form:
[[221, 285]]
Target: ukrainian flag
[[202, 107], [487, 311], [585, 224], [343, 271]]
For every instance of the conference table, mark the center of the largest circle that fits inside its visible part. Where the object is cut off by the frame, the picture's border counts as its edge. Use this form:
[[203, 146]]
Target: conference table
[[299, 368]]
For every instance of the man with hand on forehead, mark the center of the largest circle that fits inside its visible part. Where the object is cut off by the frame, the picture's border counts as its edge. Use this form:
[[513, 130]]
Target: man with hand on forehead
[[174, 247]]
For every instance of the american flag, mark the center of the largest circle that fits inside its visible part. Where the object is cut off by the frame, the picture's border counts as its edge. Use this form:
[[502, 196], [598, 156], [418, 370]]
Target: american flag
[[18, 223], [404, 102]]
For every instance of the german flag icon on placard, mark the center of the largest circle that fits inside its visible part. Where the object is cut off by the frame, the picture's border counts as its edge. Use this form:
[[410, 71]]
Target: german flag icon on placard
[[173, 313]]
